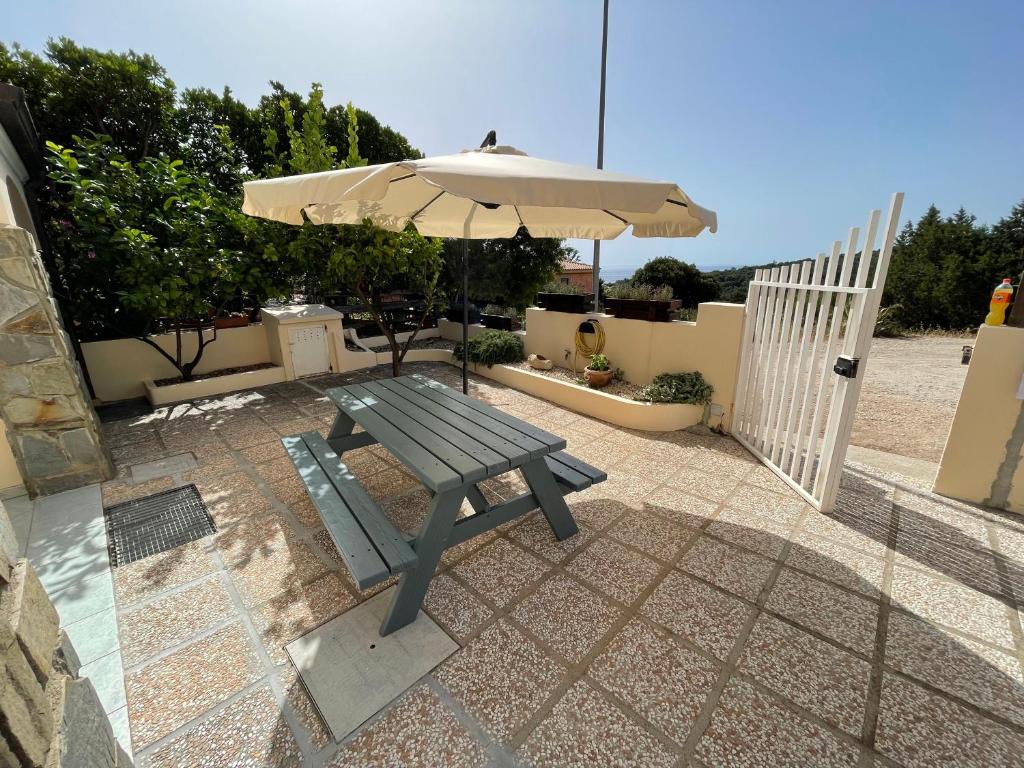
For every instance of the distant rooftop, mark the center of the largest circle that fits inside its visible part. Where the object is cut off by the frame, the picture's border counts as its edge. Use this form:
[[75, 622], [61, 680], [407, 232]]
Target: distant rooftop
[[575, 266]]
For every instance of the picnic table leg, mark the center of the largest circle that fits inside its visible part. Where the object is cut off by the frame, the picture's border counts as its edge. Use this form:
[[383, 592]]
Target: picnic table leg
[[430, 544], [542, 484], [476, 498], [341, 438], [342, 427]]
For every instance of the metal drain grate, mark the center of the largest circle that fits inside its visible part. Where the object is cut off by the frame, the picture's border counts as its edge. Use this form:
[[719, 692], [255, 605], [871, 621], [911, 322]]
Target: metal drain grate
[[157, 523]]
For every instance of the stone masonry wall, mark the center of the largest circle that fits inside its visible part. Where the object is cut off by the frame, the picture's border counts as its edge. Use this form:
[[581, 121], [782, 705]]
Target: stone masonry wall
[[49, 716], [51, 425]]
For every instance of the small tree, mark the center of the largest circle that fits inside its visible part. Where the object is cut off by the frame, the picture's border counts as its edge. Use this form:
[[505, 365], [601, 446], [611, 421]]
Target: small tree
[[364, 259], [687, 282], [157, 238]]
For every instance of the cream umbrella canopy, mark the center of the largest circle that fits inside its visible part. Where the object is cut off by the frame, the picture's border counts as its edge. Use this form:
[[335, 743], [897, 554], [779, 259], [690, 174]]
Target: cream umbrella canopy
[[487, 193]]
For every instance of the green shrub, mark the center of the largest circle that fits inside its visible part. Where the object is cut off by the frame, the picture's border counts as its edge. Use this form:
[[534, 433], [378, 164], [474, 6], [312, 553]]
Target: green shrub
[[640, 292], [686, 388], [556, 287], [887, 325], [494, 348], [598, 362]]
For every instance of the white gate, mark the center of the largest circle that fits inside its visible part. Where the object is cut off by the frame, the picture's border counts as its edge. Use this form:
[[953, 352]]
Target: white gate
[[806, 336]]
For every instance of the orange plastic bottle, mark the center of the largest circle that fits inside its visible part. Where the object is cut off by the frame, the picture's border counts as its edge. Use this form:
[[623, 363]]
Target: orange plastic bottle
[[1001, 297]]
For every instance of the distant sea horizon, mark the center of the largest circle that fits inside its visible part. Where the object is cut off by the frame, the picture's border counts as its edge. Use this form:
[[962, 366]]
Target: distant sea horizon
[[614, 274]]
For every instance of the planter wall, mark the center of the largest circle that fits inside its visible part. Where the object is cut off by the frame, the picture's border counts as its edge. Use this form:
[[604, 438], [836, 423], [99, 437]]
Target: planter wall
[[218, 385], [641, 309]]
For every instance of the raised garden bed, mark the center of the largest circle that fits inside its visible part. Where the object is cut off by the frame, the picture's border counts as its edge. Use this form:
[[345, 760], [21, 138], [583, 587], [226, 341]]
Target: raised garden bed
[[174, 390], [642, 309], [576, 303], [497, 322]]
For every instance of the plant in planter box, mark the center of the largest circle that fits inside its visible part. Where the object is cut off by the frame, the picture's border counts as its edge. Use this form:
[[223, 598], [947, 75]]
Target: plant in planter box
[[564, 297], [686, 388], [599, 373], [641, 302], [498, 318], [493, 348]]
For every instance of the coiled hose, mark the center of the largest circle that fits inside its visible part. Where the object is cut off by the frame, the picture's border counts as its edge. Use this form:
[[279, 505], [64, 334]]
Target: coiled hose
[[583, 347]]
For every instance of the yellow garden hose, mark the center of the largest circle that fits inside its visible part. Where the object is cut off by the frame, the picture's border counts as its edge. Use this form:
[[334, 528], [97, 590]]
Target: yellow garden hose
[[583, 347]]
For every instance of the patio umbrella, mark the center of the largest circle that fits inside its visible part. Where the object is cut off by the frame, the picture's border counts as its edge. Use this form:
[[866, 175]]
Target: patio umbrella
[[487, 193]]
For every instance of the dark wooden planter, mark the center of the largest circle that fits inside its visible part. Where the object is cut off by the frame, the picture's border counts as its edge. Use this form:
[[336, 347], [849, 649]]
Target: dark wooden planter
[[454, 314], [577, 303], [497, 322], [231, 322], [642, 309]]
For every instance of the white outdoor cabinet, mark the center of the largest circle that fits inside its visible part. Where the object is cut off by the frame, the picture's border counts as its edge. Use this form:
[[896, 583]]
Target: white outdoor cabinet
[[303, 338]]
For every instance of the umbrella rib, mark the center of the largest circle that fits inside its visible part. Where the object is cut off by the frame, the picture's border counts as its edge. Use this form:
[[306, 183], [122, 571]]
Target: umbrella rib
[[676, 202], [520, 217], [421, 210], [402, 178], [615, 216]]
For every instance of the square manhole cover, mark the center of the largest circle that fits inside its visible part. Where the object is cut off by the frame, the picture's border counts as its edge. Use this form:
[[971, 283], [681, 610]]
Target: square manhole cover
[[143, 527]]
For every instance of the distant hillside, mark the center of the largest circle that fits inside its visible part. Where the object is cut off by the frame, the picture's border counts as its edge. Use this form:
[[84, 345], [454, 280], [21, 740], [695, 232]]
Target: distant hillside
[[733, 282]]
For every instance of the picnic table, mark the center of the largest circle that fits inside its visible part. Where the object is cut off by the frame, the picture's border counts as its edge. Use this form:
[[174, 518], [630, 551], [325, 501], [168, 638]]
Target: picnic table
[[452, 443]]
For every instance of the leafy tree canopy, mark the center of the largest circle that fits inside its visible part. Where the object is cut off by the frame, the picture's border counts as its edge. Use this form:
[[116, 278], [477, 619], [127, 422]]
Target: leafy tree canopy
[[686, 281]]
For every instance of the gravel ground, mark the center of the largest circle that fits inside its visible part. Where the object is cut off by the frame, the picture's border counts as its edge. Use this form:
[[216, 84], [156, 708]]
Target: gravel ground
[[434, 343], [909, 396], [620, 388]]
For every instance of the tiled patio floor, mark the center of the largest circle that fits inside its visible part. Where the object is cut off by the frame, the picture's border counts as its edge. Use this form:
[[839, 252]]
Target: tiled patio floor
[[704, 615]]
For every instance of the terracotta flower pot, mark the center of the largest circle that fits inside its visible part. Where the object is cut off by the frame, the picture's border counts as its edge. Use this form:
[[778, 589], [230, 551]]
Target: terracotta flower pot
[[598, 379]]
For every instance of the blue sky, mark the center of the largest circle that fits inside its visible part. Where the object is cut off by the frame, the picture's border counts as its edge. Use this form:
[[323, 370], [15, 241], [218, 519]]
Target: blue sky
[[790, 119]]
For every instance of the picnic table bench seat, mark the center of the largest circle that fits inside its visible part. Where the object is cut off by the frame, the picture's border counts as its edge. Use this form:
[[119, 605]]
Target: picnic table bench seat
[[372, 548]]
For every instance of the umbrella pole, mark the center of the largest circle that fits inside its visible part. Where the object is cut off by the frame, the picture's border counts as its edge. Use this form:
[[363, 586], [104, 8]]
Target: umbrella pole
[[465, 316]]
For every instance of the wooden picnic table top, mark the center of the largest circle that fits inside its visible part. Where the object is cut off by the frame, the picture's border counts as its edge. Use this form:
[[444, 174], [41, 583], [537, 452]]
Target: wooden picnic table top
[[446, 438]]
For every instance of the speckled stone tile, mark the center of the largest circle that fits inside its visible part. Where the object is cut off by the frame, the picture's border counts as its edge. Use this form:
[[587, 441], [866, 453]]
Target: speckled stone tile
[[708, 618], [501, 678], [298, 611], [663, 681], [755, 499], [765, 534], [454, 554], [711, 486], [211, 468], [594, 511], [535, 534], [839, 564], [584, 730], [615, 570], [735, 570], [980, 674], [229, 510], [221, 486], [408, 511], [248, 733], [839, 615], [157, 573], [952, 604], [500, 571], [304, 708], [173, 690], [257, 454], [566, 616], [816, 524], [275, 469], [652, 534], [918, 728], [454, 607], [117, 491], [267, 573], [288, 489], [390, 482], [418, 731], [681, 507], [822, 679], [173, 619], [750, 729]]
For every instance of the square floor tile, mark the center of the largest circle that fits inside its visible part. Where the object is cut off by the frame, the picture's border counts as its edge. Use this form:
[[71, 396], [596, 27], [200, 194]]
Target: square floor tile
[[918, 728], [750, 728], [173, 690], [986, 677], [821, 678], [500, 571], [837, 563], [94, 636], [663, 681], [158, 573], [839, 615], [652, 534], [764, 533], [566, 616], [596, 511], [615, 570], [681, 507], [84, 598], [708, 618], [584, 730], [107, 676], [501, 678], [738, 571], [418, 729], [454, 607], [248, 732], [535, 533]]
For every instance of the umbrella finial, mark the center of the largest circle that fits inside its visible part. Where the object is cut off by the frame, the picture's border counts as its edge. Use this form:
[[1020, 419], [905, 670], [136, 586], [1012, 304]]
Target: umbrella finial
[[490, 140]]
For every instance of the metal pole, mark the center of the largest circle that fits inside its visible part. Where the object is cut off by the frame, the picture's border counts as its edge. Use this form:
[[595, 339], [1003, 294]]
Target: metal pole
[[600, 152], [465, 316]]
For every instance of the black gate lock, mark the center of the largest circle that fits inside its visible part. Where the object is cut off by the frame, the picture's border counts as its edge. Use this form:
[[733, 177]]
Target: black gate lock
[[846, 366]]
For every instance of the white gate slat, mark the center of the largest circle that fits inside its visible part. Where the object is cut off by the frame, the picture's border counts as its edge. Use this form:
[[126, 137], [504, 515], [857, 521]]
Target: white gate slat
[[800, 385], [833, 333], [753, 322], [862, 347], [821, 320], [768, 386], [784, 357], [760, 370], [778, 436]]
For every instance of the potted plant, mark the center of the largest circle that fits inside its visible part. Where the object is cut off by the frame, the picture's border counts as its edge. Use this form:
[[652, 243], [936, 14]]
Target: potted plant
[[232, 320], [497, 318], [641, 302], [599, 373], [564, 297]]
